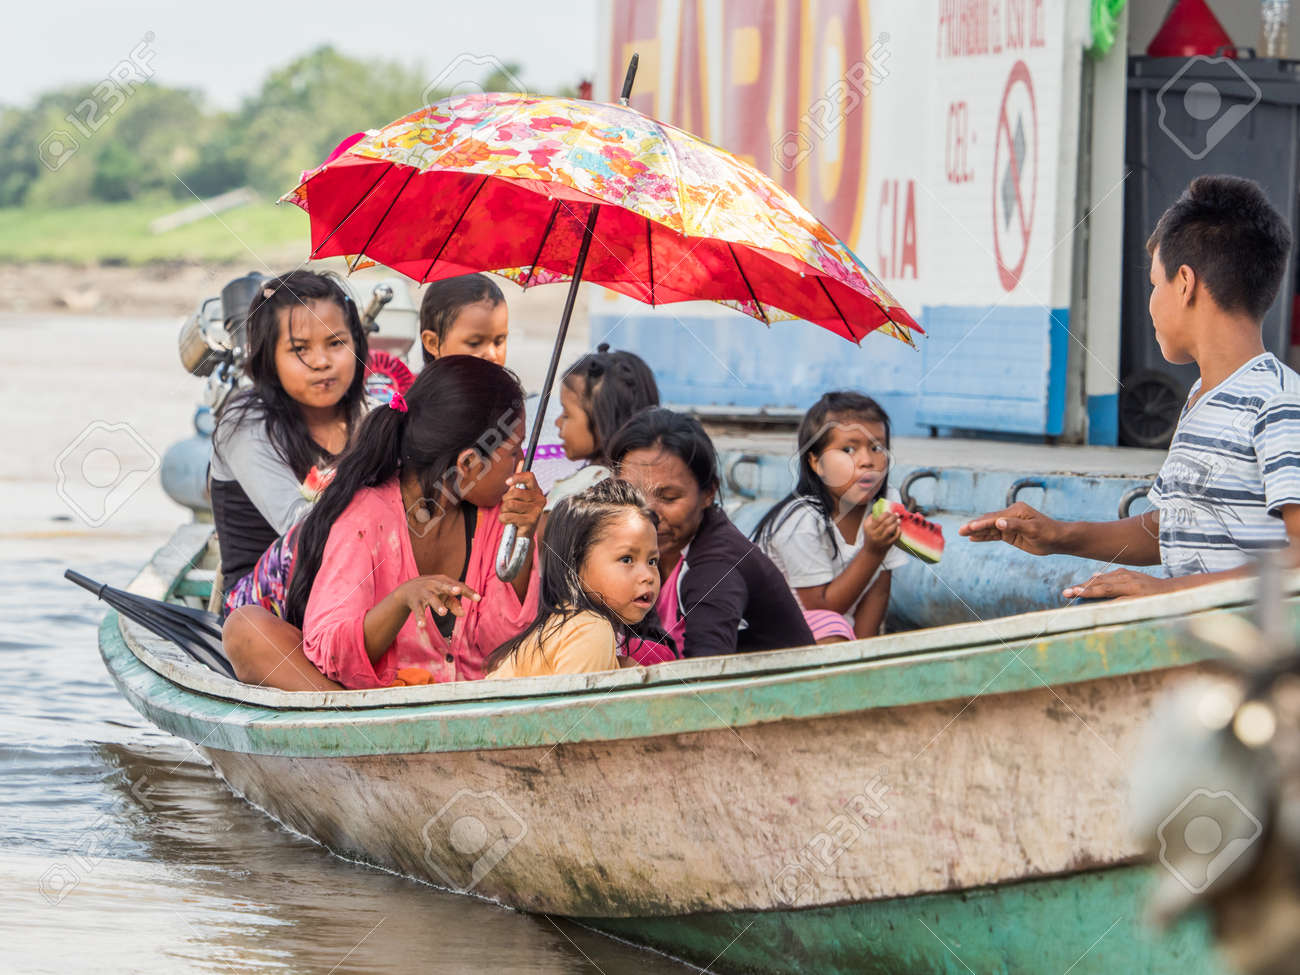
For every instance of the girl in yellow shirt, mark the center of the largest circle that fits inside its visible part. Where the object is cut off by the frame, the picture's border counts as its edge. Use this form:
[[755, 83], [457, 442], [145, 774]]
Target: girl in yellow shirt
[[599, 583]]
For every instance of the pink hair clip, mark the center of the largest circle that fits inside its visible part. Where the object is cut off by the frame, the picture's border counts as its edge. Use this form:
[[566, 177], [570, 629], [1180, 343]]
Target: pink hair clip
[[398, 402]]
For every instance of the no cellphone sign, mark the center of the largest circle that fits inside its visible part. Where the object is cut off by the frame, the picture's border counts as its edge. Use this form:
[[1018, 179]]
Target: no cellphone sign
[[1015, 176]]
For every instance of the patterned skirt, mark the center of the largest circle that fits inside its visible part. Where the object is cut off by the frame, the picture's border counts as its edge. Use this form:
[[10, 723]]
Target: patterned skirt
[[267, 585]]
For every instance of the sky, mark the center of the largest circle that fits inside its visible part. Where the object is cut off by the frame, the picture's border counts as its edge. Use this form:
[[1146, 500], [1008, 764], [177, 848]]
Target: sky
[[225, 49]]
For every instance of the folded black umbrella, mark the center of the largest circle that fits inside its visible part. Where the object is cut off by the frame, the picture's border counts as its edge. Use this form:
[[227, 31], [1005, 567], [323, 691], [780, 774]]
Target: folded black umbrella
[[196, 632]]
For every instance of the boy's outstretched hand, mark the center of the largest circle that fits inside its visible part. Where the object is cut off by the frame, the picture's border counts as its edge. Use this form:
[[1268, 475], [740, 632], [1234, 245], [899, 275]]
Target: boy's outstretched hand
[[1020, 525], [1120, 582]]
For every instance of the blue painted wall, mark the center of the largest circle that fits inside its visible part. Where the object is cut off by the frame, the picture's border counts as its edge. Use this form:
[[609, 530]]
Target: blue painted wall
[[991, 368], [995, 368], [1103, 419]]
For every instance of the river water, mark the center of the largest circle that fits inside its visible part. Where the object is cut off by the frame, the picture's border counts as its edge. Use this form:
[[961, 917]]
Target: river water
[[120, 849]]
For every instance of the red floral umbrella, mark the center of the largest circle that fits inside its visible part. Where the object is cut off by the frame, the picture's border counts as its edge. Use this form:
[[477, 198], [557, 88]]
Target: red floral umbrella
[[552, 189], [507, 183]]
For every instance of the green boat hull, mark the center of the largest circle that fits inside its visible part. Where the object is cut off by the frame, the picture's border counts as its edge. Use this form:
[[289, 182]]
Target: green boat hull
[[940, 801], [1082, 923]]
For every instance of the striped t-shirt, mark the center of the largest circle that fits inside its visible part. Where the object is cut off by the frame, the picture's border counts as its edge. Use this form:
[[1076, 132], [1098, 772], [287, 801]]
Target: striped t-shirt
[[1233, 464]]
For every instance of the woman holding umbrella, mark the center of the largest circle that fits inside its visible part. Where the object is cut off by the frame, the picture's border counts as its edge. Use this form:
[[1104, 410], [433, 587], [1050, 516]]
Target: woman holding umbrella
[[394, 566]]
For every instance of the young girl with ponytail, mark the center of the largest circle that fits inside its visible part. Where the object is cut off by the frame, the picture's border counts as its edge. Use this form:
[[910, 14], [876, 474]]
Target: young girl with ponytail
[[394, 567]]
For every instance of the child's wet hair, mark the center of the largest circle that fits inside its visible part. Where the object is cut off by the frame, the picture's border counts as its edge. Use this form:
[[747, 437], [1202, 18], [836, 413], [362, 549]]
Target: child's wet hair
[[583, 519], [576, 525], [444, 300], [614, 387], [267, 399], [456, 403]]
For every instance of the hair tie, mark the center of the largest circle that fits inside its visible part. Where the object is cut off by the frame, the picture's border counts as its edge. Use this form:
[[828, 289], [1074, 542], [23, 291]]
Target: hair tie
[[602, 348], [398, 402]]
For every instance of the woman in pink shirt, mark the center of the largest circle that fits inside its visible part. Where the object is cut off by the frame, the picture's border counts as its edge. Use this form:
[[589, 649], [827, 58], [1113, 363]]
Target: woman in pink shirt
[[394, 565]]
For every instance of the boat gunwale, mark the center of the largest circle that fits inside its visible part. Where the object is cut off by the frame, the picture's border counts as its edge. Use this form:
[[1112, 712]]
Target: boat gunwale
[[641, 711], [170, 563]]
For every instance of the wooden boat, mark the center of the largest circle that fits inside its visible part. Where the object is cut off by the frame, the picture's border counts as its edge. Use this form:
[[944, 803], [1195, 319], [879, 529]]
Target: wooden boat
[[941, 800]]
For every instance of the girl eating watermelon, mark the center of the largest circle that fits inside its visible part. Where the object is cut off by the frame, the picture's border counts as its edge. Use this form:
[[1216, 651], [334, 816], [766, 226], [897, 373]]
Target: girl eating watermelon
[[836, 555]]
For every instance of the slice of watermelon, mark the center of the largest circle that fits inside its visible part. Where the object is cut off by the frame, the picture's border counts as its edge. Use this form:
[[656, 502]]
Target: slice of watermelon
[[919, 537]]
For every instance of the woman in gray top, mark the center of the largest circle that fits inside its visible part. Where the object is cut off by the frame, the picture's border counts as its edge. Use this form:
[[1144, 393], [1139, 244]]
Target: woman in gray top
[[307, 354]]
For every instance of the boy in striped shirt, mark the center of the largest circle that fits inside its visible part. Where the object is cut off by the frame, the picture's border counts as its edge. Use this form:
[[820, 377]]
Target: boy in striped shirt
[[1230, 485]]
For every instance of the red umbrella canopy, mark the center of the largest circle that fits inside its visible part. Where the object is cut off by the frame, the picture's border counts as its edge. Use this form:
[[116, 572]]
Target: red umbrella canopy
[[506, 183]]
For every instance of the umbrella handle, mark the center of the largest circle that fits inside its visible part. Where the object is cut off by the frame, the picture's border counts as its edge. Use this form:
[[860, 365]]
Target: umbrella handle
[[512, 553], [85, 582]]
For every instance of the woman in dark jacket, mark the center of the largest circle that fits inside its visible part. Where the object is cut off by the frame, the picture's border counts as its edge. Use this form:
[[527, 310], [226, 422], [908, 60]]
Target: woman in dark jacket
[[720, 593]]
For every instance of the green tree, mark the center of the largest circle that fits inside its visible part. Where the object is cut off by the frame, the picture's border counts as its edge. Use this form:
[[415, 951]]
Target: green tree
[[37, 142], [111, 150], [118, 174], [220, 163], [19, 166], [59, 178], [306, 108], [162, 140]]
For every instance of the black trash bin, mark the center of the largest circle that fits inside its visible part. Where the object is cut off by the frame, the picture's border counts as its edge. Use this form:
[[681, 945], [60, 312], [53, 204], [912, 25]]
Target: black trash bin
[[1188, 117]]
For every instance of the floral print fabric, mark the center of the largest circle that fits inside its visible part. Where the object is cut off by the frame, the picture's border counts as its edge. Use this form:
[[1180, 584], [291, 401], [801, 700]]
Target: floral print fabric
[[505, 183]]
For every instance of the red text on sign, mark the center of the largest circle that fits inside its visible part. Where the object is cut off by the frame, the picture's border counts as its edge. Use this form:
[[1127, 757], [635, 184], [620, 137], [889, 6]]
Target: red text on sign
[[969, 28], [956, 152], [896, 229]]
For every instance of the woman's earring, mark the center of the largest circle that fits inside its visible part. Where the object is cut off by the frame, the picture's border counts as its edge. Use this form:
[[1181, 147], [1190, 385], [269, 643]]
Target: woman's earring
[[422, 513]]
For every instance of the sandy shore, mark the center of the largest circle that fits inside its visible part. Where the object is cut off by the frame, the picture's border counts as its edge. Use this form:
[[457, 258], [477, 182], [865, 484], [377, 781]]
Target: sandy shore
[[174, 288], [155, 289]]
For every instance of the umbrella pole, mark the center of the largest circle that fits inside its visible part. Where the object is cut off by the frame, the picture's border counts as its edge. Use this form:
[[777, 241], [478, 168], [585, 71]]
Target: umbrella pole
[[513, 550], [630, 77]]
